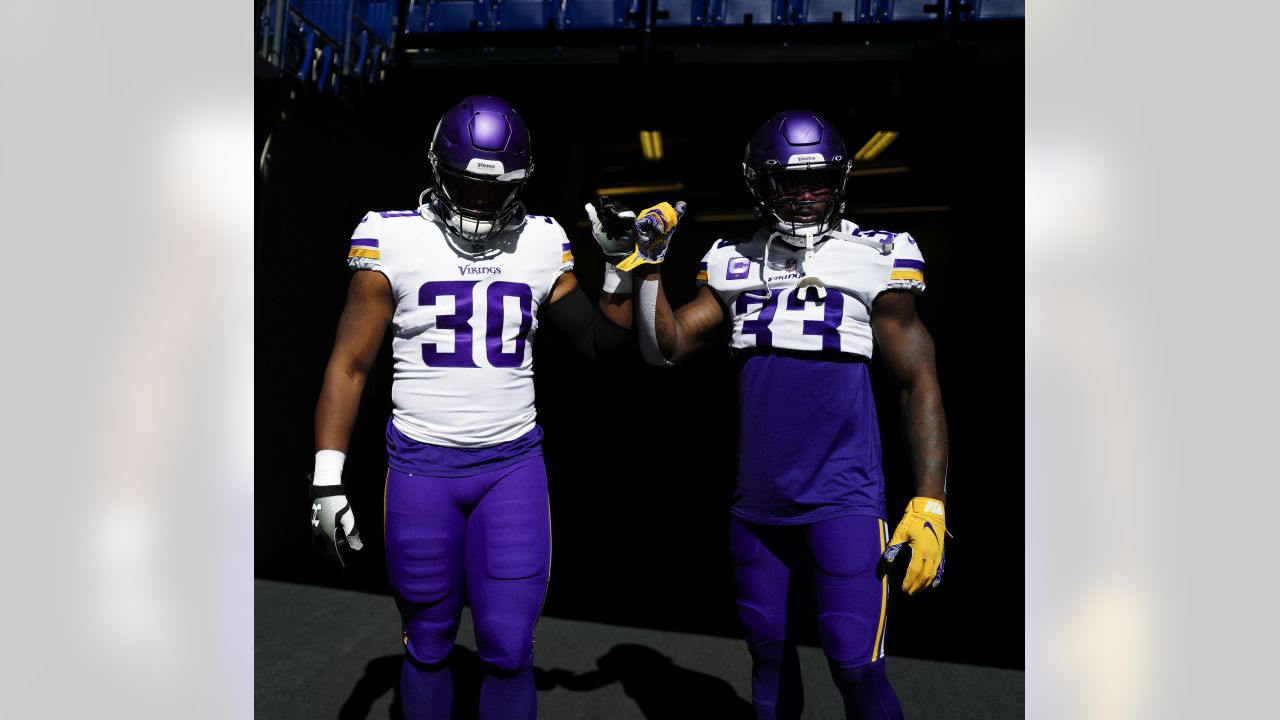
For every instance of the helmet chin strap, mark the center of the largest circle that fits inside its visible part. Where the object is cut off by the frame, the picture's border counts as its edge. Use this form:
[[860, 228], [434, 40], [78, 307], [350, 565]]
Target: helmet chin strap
[[424, 206], [810, 281], [764, 268], [807, 282], [884, 247]]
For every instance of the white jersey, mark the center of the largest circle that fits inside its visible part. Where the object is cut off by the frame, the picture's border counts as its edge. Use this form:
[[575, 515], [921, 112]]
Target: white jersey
[[464, 323], [853, 273]]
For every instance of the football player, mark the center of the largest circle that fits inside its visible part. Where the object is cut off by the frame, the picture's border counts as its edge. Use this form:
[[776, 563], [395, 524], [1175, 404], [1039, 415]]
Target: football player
[[461, 282], [806, 296]]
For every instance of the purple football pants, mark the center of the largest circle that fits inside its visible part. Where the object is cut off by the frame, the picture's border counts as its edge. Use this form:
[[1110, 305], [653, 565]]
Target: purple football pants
[[838, 558], [485, 538]]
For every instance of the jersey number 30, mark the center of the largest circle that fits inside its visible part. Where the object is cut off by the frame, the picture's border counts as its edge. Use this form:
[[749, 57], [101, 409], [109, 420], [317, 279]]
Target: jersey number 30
[[459, 321]]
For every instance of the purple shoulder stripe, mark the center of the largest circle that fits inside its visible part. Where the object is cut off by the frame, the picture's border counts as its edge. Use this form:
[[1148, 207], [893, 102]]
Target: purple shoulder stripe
[[365, 242], [908, 263]]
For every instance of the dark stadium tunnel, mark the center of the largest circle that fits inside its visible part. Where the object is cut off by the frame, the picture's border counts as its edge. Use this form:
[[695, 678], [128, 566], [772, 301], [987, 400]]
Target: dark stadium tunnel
[[640, 535]]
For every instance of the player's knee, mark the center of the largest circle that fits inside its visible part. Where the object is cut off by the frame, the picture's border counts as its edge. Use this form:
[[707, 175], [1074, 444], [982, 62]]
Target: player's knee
[[507, 654], [434, 661], [761, 625], [862, 667], [504, 641], [848, 639], [428, 644]]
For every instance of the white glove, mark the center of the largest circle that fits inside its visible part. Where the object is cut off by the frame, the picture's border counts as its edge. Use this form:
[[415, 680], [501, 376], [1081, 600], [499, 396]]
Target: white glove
[[614, 227], [333, 526]]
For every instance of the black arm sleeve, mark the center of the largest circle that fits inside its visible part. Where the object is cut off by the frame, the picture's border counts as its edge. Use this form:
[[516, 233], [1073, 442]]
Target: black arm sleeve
[[593, 335]]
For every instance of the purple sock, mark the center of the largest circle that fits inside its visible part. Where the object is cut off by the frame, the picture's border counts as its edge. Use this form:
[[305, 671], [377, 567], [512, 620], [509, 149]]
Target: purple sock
[[776, 690], [508, 696], [867, 693], [426, 691]]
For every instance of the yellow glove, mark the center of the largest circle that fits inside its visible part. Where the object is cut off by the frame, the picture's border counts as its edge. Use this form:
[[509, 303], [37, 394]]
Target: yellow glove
[[654, 228], [924, 528]]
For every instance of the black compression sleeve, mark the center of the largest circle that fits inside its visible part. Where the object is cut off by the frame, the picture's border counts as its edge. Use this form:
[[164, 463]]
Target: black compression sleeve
[[592, 334]]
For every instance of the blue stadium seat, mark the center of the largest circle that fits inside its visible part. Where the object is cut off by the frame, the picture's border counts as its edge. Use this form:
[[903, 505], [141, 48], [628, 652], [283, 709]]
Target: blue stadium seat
[[327, 73], [306, 57], [601, 14], [370, 34], [823, 12], [525, 14], [906, 10], [378, 15], [330, 18], [328, 15], [993, 10], [682, 13], [458, 15], [416, 20], [736, 12], [360, 49]]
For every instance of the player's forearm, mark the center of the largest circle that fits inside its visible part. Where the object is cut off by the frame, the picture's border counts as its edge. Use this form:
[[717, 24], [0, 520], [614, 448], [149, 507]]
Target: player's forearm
[[617, 307], [593, 332], [614, 322], [337, 408], [659, 332], [925, 425]]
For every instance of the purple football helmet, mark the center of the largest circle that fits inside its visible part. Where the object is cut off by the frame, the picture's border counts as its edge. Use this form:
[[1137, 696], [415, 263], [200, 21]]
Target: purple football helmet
[[481, 157], [796, 167]]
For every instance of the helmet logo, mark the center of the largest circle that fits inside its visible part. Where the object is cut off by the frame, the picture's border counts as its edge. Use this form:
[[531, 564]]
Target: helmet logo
[[480, 166], [806, 158]]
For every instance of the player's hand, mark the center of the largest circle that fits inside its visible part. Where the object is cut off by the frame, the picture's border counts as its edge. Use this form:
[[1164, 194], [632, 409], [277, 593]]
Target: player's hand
[[613, 225], [924, 528], [333, 526], [654, 229]]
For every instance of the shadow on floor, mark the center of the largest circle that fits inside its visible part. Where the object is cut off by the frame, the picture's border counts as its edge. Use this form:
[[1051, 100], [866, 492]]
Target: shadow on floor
[[661, 689], [382, 675]]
